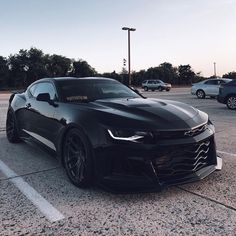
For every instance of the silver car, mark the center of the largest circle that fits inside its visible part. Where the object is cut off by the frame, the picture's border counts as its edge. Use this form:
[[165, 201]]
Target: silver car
[[209, 87], [155, 85]]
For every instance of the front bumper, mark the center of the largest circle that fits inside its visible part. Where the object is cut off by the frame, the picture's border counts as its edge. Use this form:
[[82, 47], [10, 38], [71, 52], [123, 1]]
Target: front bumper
[[123, 167]]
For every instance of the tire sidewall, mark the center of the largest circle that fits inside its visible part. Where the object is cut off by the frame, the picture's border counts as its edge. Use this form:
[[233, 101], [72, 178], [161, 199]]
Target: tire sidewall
[[15, 137], [201, 91], [88, 174], [227, 102]]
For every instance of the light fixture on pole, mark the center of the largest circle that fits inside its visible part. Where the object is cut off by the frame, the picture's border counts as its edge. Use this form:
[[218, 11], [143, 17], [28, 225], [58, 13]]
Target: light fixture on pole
[[129, 29]]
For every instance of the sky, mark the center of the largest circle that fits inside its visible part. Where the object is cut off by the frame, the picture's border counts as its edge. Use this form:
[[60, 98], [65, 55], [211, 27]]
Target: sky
[[195, 32]]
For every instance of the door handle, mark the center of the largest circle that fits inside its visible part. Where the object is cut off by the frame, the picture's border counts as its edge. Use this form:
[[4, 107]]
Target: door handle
[[28, 105]]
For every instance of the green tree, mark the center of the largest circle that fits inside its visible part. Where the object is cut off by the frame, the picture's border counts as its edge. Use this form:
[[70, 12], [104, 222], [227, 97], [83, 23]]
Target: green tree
[[57, 65], [113, 75], [230, 75], [26, 67], [36, 65], [186, 74], [165, 72], [18, 65], [138, 77], [168, 73], [3, 72], [81, 68]]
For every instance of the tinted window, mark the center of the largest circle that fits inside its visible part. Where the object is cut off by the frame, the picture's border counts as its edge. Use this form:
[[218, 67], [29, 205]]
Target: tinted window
[[45, 88], [151, 82], [32, 90], [222, 82], [89, 90], [212, 82], [160, 81], [233, 82]]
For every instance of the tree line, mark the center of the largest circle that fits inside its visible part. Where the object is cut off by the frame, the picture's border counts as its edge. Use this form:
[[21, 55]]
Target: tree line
[[21, 69]]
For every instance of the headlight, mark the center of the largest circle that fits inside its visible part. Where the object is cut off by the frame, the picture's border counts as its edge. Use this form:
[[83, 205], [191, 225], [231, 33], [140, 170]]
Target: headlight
[[211, 125], [131, 136]]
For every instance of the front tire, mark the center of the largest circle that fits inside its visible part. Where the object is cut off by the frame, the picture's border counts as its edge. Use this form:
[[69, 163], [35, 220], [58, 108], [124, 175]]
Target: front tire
[[77, 156], [231, 102], [145, 88], [160, 88], [200, 94], [11, 127]]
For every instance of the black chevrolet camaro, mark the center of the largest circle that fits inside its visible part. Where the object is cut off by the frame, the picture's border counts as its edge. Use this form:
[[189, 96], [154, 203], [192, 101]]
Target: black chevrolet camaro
[[106, 133]]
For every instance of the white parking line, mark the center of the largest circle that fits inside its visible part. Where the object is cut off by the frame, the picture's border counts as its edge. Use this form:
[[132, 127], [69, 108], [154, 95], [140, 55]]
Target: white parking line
[[227, 153], [40, 202]]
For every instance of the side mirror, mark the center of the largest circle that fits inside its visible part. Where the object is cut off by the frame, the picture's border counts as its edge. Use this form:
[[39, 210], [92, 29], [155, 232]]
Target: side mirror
[[43, 97]]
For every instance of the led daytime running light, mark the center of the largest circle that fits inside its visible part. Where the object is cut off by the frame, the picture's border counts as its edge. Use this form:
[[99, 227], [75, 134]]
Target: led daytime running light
[[133, 138]]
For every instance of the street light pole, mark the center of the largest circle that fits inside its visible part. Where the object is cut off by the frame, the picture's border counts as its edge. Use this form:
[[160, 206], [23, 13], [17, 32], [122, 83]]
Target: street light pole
[[214, 69], [129, 29]]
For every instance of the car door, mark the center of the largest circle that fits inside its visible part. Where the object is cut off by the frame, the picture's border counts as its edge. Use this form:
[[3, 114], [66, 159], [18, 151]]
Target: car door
[[151, 84], [215, 89], [40, 115], [158, 84], [212, 87]]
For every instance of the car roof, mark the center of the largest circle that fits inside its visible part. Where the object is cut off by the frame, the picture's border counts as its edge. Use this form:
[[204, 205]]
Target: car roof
[[72, 78], [225, 79]]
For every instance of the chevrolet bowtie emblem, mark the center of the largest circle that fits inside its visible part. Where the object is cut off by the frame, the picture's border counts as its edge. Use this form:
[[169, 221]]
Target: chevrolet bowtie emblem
[[192, 132], [189, 133]]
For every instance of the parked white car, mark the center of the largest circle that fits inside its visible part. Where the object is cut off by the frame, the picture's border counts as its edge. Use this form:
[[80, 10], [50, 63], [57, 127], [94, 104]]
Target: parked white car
[[209, 87]]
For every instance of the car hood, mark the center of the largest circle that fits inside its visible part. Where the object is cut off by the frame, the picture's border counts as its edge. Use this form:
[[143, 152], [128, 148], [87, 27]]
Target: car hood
[[161, 114]]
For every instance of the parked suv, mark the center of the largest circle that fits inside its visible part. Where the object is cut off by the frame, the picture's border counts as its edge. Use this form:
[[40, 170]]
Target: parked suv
[[227, 94], [209, 87], [155, 84]]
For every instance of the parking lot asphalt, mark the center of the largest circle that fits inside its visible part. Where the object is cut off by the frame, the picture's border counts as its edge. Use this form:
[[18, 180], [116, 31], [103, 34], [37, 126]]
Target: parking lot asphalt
[[207, 207]]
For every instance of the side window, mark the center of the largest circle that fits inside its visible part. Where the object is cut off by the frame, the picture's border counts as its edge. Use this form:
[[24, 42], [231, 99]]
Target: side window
[[233, 82], [211, 82], [32, 90], [45, 88], [222, 82]]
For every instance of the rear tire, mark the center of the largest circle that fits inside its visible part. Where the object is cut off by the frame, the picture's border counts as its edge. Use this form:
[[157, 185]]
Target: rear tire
[[200, 94], [11, 127], [231, 102], [77, 157]]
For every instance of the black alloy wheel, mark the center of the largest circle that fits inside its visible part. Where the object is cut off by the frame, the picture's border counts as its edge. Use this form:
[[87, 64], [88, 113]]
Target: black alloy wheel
[[11, 128], [77, 154], [145, 88], [231, 102], [201, 94]]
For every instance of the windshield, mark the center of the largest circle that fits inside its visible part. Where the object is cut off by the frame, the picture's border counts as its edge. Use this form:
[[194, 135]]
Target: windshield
[[85, 90]]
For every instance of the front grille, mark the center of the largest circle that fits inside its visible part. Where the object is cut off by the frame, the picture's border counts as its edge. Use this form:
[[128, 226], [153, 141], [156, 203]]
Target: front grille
[[179, 161], [182, 133]]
